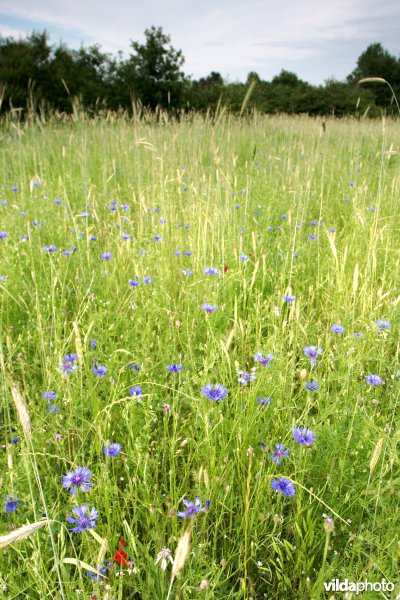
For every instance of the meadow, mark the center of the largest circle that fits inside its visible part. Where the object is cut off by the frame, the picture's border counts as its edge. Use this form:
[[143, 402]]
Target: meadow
[[199, 350]]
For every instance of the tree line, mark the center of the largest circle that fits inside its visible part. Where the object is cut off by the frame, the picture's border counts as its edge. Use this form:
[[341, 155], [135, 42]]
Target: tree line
[[40, 77]]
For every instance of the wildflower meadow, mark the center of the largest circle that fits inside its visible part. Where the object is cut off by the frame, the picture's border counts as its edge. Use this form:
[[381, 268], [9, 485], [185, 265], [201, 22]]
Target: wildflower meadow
[[199, 357]]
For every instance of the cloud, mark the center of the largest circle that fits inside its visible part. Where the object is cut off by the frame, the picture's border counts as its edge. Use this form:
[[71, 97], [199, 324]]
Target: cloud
[[225, 35]]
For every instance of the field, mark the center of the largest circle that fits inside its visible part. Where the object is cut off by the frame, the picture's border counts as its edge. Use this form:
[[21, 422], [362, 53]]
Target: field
[[199, 309]]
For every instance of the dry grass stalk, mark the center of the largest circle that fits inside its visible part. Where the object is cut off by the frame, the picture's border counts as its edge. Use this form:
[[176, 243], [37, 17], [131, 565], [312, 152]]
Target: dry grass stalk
[[22, 410], [21, 533], [181, 554], [376, 454]]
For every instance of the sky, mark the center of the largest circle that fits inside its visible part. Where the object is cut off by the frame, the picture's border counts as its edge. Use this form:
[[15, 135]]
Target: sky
[[317, 39]]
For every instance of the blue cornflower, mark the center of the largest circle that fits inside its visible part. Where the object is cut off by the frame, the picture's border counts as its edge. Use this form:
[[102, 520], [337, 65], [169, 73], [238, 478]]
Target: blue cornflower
[[283, 486], [106, 255], [289, 299], [83, 520], [3, 234], [358, 334], [134, 367], [102, 570], [312, 352], [244, 257], [374, 379], [178, 253], [264, 402], [280, 453], [337, 329], [112, 449], [70, 357], [92, 238], [263, 360], [216, 393], [136, 390], [304, 436], [99, 370], [80, 478], [69, 365], [192, 508], [188, 253], [51, 408], [147, 279], [312, 386], [246, 376], [174, 368], [134, 282], [11, 504], [383, 325], [93, 344], [49, 395], [15, 440], [209, 308], [50, 248], [126, 236], [157, 237], [187, 272], [312, 237], [211, 271]]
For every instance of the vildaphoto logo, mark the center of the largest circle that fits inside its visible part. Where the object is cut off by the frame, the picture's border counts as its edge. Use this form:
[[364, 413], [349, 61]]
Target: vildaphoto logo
[[337, 585]]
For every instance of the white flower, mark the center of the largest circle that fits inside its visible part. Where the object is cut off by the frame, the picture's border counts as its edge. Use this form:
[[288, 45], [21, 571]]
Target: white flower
[[164, 555]]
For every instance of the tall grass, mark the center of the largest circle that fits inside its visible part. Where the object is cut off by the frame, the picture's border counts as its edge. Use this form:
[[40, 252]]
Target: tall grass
[[243, 196]]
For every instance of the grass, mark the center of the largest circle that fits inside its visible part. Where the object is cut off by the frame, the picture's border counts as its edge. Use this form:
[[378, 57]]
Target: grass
[[255, 187]]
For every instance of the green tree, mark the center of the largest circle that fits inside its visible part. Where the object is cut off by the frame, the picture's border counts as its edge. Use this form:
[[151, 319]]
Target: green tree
[[375, 61], [152, 74]]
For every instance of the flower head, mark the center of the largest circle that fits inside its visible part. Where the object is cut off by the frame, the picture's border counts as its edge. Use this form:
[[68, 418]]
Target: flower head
[[211, 271], [216, 393], [80, 478], [112, 449], [337, 329], [164, 556], [374, 379], [312, 386], [280, 453], [289, 299], [83, 520], [135, 390], [312, 352], [263, 360], [99, 370], [264, 402], [102, 570], [383, 325], [246, 377], [174, 368], [304, 436], [11, 504], [283, 486], [192, 508], [106, 255], [209, 308]]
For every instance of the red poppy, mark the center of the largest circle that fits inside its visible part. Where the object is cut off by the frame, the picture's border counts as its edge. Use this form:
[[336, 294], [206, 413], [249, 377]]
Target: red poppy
[[225, 268], [120, 556]]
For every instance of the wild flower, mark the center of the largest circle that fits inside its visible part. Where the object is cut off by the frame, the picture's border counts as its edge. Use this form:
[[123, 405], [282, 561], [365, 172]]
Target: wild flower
[[211, 271], [283, 486], [111, 450], [280, 453], [337, 329], [69, 365], [216, 393], [106, 255], [134, 282], [11, 504], [264, 402], [289, 299], [147, 279], [374, 379], [304, 436], [312, 352], [246, 377], [209, 308], [192, 508], [383, 325], [135, 390], [263, 360], [164, 556], [99, 370], [312, 386], [187, 272], [83, 520], [49, 395], [174, 368], [78, 479], [102, 570]]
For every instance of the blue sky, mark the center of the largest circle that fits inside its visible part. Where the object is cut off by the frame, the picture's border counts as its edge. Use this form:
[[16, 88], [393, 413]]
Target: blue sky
[[316, 39]]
